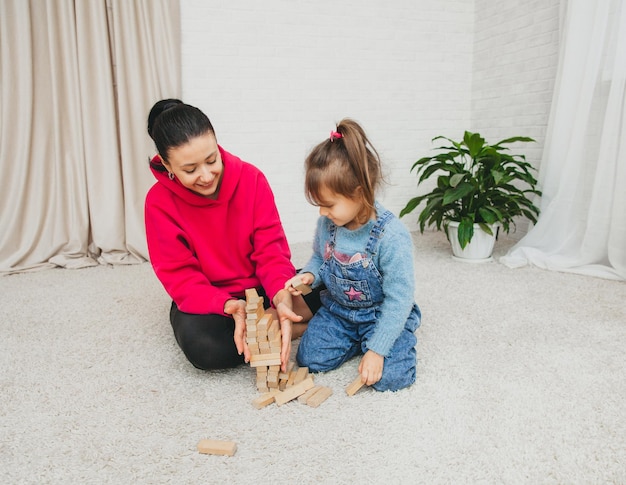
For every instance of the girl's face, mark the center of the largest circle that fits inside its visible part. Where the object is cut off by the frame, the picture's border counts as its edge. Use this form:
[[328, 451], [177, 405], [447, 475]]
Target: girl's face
[[198, 165], [343, 211]]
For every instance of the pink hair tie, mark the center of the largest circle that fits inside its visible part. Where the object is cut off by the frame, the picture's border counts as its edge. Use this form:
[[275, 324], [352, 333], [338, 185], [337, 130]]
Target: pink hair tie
[[334, 135]]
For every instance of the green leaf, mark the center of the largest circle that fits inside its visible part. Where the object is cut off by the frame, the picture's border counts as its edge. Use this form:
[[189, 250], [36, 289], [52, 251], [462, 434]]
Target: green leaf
[[497, 176], [486, 228], [465, 232], [474, 142], [456, 178], [513, 140], [410, 206], [487, 216], [457, 193], [433, 206]]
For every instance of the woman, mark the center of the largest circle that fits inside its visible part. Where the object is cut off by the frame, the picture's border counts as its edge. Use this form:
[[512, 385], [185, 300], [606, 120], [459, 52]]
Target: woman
[[213, 231]]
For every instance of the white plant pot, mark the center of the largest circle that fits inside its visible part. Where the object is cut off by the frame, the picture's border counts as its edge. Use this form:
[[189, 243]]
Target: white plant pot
[[478, 250]]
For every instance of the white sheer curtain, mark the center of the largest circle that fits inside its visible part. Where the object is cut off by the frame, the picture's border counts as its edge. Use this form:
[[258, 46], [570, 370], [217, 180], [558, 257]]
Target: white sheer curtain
[[582, 227], [77, 80]]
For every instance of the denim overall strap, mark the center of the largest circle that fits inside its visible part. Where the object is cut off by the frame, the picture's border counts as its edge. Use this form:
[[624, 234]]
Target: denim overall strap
[[377, 231], [332, 234]]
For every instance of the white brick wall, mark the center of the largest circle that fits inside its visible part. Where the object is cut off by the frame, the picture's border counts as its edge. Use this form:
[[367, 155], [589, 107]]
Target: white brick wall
[[275, 76], [515, 61]]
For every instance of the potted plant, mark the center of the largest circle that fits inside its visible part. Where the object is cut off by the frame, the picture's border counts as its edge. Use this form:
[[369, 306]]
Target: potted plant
[[479, 187]]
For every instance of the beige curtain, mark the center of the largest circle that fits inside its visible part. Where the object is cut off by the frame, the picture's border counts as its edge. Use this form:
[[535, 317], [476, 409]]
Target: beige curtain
[[78, 78]]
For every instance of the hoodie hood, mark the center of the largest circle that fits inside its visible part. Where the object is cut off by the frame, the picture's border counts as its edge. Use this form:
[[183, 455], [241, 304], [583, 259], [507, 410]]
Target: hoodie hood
[[230, 177]]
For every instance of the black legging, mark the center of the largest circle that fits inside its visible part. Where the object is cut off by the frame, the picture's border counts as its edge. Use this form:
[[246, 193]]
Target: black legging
[[207, 340]]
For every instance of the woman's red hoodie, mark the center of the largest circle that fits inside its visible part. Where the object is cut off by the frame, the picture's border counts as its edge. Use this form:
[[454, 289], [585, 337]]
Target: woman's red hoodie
[[205, 251]]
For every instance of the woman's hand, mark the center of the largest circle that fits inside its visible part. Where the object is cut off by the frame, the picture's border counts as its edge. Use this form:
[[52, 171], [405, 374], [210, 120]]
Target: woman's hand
[[371, 367], [302, 278], [237, 309], [286, 316]]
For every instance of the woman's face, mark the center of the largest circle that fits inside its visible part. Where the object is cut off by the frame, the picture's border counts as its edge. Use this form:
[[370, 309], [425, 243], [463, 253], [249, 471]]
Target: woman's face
[[198, 165]]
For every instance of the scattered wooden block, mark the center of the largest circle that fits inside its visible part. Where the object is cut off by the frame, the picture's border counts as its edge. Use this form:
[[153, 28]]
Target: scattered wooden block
[[294, 391], [265, 399], [217, 447], [304, 397], [291, 379], [301, 374], [354, 387], [319, 397]]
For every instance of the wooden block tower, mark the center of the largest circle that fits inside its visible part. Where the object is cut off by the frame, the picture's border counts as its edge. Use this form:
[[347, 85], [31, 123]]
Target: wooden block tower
[[264, 341]]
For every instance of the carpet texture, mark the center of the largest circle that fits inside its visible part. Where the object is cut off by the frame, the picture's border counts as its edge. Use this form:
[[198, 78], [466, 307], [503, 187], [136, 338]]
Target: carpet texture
[[521, 379]]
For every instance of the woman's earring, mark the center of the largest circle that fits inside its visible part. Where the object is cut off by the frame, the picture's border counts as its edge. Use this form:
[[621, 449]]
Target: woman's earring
[[170, 175]]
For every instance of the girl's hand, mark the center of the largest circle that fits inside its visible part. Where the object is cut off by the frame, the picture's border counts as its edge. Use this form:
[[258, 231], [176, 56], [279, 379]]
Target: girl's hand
[[371, 367], [286, 316], [302, 278], [237, 309]]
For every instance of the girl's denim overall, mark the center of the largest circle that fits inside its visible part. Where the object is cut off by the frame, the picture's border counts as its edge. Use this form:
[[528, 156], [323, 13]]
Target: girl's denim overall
[[350, 307]]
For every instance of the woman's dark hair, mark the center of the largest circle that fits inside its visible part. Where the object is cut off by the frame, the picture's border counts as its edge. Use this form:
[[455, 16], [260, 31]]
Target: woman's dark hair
[[172, 123]]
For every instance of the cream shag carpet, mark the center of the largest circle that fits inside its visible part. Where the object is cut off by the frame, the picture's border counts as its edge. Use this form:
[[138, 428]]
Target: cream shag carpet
[[521, 379]]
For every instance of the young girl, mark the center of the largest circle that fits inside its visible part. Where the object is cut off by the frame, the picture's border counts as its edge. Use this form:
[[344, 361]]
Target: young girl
[[362, 253]]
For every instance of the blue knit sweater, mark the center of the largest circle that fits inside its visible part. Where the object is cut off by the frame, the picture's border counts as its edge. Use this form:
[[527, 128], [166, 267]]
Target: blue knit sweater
[[394, 260]]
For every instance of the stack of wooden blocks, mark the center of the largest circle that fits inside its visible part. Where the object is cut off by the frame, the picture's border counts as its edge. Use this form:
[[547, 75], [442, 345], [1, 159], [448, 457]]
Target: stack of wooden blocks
[[264, 341], [263, 337]]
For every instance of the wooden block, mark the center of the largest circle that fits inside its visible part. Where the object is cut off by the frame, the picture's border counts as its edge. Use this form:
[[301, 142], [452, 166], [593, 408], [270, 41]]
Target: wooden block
[[354, 387], [300, 286], [294, 391], [264, 399], [275, 347], [252, 307], [319, 397], [304, 397], [264, 322], [273, 330], [217, 447], [292, 378], [285, 375], [301, 374], [257, 313], [251, 294], [264, 359]]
